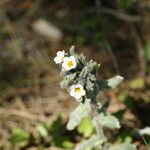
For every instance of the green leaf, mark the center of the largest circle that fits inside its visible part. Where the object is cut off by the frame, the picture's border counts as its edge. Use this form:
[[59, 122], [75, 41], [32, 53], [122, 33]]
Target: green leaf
[[102, 85], [120, 113], [108, 121], [56, 126], [42, 130], [77, 115], [147, 51], [125, 136], [72, 49], [115, 81], [89, 144], [19, 137], [123, 146], [125, 3], [67, 144], [57, 132], [137, 83], [110, 83], [85, 127]]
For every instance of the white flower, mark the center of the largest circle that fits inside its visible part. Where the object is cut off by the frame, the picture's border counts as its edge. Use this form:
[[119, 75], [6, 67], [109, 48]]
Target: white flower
[[69, 63], [59, 57], [77, 91]]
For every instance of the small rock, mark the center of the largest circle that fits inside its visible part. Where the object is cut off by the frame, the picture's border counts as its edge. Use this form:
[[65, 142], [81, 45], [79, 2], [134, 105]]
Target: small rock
[[47, 29]]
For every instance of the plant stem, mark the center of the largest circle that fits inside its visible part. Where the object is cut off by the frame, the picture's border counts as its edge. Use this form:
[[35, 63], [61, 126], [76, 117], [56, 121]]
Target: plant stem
[[98, 126]]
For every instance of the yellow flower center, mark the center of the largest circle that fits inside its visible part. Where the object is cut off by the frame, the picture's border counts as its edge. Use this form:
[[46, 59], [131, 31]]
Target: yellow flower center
[[77, 89], [70, 63]]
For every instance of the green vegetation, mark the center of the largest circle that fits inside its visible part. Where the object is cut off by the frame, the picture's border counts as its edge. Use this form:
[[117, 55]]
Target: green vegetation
[[113, 33]]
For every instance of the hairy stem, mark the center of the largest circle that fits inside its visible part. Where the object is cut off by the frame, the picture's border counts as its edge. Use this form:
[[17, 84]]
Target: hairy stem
[[98, 126]]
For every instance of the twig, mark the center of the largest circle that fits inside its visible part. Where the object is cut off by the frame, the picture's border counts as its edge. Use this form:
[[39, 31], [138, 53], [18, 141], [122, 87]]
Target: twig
[[22, 114], [145, 143], [15, 92], [111, 55], [120, 15], [116, 13], [27, 90], [107, 45], [98, 3], [140, 50]]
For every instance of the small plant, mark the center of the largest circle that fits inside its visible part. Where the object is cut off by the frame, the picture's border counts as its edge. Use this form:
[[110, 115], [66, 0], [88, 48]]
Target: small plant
[[79, 78]]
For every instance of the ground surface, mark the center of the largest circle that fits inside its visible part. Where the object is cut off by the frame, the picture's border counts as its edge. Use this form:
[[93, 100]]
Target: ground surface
[[29, 79]]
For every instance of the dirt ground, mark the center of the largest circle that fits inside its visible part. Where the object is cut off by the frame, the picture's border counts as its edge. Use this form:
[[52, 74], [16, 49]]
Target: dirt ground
[[30, 91]]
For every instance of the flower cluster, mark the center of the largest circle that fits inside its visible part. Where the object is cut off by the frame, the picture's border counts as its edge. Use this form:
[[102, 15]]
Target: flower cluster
[[69, 63], [79, 75]]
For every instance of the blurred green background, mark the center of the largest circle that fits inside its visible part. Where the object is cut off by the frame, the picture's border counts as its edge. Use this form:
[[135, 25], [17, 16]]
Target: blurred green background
[[115, 33]]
